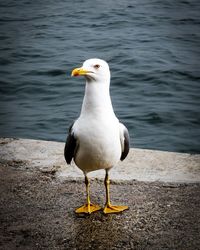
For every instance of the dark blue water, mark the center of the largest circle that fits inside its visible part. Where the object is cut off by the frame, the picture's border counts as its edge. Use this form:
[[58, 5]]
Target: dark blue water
[[152, 47]]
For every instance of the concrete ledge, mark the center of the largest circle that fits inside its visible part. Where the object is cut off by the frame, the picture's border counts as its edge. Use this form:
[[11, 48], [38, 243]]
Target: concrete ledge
[[141, 164], [37, 209]]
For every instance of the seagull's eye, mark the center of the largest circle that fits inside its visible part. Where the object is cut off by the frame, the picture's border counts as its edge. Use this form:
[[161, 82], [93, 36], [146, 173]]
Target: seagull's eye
[[96, 66]]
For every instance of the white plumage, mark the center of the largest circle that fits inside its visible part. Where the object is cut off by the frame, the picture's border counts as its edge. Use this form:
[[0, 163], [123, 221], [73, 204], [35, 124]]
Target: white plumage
[[96, 140]]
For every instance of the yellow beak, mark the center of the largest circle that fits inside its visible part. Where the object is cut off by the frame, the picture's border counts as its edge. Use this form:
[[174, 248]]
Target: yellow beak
[[79, 72]]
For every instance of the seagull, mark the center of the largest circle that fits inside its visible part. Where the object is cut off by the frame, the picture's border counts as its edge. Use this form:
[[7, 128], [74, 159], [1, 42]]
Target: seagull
[[96, 140]]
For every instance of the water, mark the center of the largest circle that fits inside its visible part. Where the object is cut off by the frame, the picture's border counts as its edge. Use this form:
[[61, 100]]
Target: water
[[152, 48]]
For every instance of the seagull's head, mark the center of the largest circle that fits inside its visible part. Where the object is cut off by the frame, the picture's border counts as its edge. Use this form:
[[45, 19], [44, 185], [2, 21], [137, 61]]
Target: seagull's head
[[94, 70]]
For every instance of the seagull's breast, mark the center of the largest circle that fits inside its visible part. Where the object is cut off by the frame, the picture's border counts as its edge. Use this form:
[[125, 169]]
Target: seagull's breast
[[99, 142]]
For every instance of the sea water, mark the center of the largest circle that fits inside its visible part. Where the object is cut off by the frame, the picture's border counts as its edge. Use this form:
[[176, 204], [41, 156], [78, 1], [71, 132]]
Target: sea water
[[152, 47]]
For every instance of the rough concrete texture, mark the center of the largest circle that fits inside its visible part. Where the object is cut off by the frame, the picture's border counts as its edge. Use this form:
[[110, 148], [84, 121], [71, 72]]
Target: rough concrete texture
[[141, 164], [37, 212], [39, 193]]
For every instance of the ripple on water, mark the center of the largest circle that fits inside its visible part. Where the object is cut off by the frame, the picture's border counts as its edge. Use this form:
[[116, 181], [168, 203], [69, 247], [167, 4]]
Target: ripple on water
[[153, 54]]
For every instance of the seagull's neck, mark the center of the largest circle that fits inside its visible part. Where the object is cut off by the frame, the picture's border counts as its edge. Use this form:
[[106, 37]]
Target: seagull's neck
[[97, 99]]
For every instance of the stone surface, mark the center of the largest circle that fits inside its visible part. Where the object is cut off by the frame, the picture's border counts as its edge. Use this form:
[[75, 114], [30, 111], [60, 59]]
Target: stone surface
[[37, 212], [39, 194], [141, 164]]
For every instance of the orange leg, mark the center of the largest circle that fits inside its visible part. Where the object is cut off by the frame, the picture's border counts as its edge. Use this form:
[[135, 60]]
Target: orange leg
[[108, 207], [88, 208]]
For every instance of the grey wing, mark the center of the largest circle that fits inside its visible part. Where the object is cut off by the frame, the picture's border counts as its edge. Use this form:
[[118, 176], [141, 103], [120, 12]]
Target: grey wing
[[70, 146], [125, 141]]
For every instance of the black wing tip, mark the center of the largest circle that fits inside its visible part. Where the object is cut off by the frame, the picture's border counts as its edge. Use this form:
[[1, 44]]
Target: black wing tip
[[124, 155], [68, 161], [68, 158], [67, 154], [70, 146], [126, 145]]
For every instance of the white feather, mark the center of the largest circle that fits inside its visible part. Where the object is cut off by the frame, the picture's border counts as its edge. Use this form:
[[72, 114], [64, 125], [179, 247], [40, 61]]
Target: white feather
[[97, 130]]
